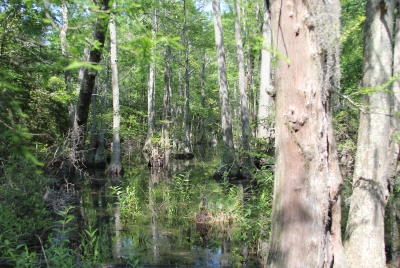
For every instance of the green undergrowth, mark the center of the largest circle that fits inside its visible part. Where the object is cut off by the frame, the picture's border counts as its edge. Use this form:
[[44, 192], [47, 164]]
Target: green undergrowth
[[239, 210], [31, 236]]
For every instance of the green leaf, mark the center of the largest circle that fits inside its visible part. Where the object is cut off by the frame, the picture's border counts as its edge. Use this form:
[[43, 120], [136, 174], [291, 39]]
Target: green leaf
[[79, 64]]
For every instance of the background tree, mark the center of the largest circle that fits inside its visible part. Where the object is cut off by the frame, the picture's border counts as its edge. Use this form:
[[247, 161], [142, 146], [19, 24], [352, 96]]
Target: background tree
[[228, 162], [148, 148], [89, 75], [266, 102], [115, 166], [393, 241], [364, 240], [306, 204], [244, 107]]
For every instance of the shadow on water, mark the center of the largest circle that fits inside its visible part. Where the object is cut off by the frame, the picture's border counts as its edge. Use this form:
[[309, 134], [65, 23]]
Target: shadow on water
[[150, 214]]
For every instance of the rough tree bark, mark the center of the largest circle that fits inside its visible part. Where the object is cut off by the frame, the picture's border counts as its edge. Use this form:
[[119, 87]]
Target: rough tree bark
[[228, 163], [89, 75], [244, 105], [115, 166], [306, 204], [265, 107], [364, 240]]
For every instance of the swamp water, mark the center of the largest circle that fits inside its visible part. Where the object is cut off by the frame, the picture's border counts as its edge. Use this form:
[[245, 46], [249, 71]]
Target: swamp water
[[177, 216]]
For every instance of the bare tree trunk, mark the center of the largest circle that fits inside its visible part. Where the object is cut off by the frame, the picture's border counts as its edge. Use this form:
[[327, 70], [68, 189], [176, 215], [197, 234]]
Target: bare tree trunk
[[364, 240], [187, 142], [306, 204], [100, 159], [74, 135], [251, 88], [173, 111], [244, 105], [148, 150], [93, 132], [89, 75], [266, 103], [165, 141], [64, 43], [228, 163], [203, 139], [394, 232], [115, 166], [395, 124]]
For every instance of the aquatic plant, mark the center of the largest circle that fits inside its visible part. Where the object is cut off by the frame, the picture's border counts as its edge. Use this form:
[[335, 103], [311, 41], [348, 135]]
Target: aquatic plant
[[128, 202]]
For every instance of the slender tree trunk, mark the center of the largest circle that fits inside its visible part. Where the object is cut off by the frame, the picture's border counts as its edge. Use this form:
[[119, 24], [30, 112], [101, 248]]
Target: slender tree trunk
[[251, 88], [89, 75], [265, 106], [203, 138], [115, 166], [395, 124], [100, 159], [74, 135], [148, 150], [306, 204], [187, 142], [228, 162], [364, 240], [165, 141], [173, 111], [394, 232], [244, 105], [93, 132]]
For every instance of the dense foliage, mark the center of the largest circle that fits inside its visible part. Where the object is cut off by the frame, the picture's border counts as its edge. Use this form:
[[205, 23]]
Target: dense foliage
[[35, 124]]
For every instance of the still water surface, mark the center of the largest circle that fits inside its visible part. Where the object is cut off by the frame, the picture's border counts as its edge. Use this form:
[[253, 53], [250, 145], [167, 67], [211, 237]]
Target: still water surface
[[159, 227]]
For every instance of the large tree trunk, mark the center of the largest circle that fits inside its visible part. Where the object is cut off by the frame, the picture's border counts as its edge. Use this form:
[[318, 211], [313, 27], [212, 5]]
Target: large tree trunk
[[265, 107], [244, 106], [115, 166], [306, 205], [89, 75], [364, 240], [228, 162]]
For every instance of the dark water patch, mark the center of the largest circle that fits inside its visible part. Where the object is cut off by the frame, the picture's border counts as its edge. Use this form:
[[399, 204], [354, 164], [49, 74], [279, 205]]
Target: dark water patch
[[149, 215]]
